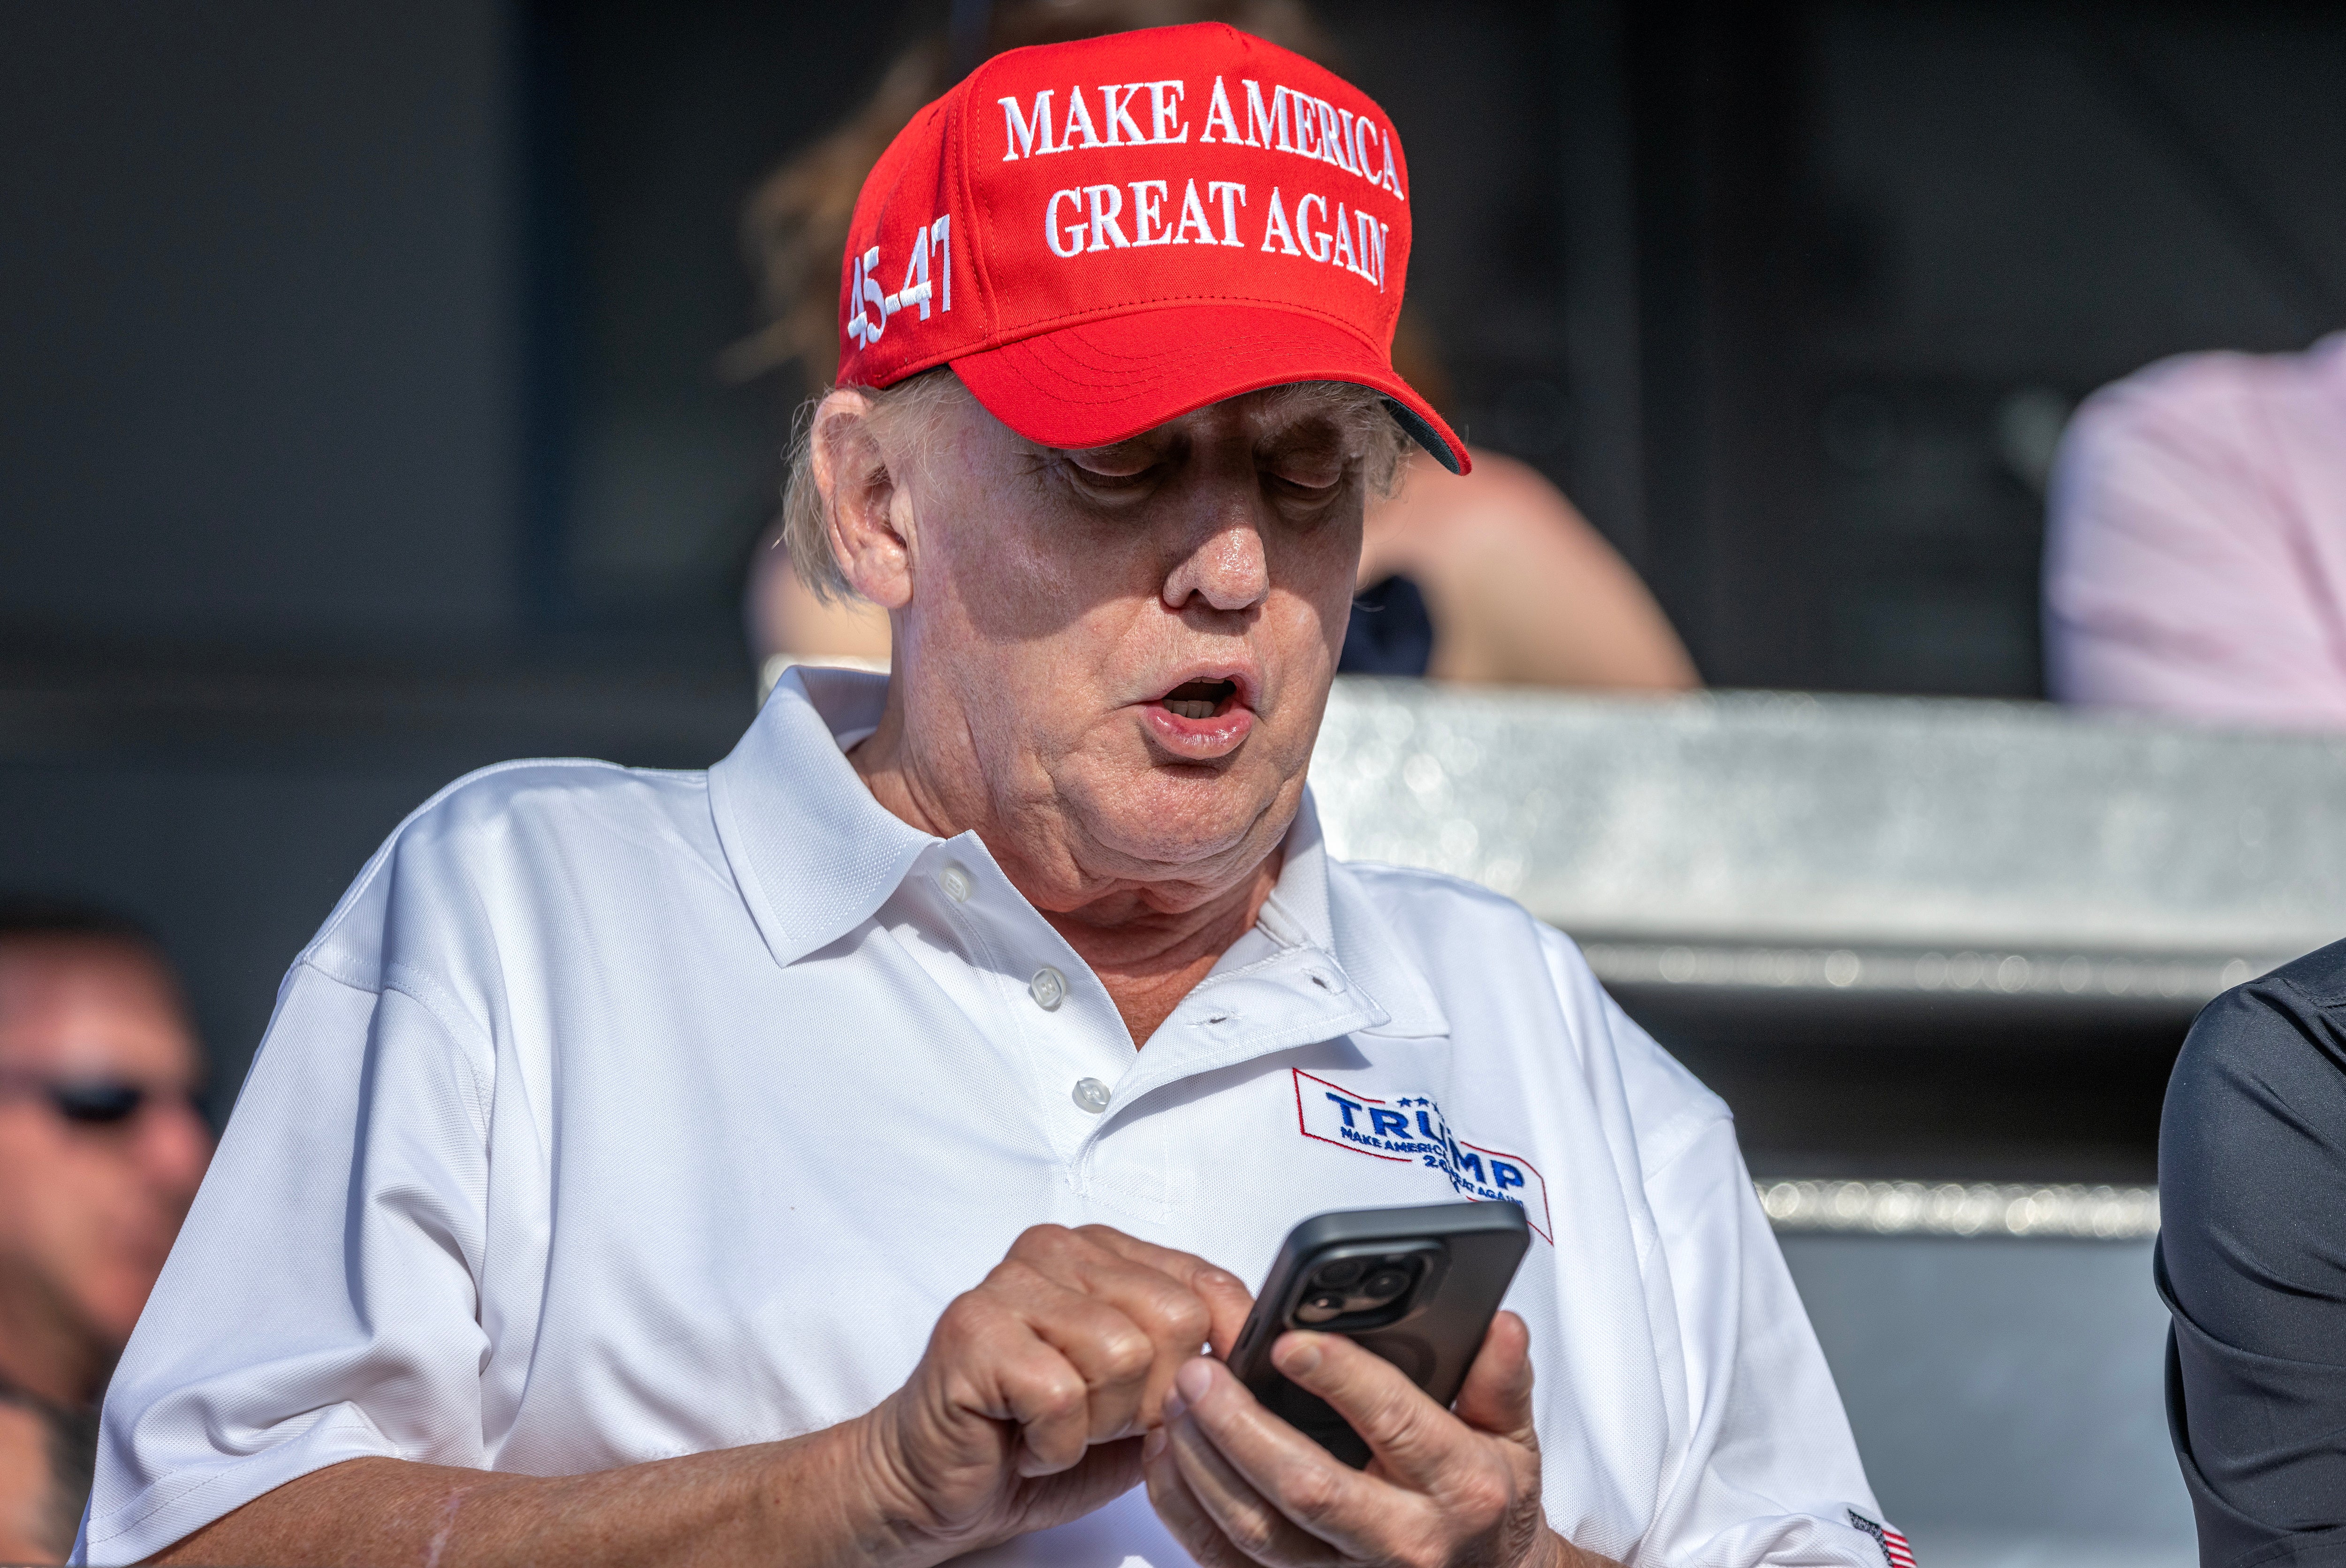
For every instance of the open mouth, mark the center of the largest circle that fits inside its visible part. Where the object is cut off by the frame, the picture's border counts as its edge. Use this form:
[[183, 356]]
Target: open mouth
[[1199, 698]]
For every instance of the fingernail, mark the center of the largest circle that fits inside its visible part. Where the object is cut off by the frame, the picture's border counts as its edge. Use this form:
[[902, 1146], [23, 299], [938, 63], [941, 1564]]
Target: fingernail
[[1153, 1443], [1174, 1403], [1193, 1379], [1216, 1278], [1298, 1356]]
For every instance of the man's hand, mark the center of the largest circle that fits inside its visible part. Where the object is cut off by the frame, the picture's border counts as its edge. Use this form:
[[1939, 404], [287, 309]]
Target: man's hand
[[1028, 1406], [1239, 1487]]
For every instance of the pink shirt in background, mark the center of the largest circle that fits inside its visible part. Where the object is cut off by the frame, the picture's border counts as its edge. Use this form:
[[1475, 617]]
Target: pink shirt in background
[[2195, 558]]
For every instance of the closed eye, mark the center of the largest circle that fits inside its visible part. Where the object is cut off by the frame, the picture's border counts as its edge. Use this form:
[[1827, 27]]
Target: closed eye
[[1309, 465], [1113, 470], [1309, 480], [1311, 485]]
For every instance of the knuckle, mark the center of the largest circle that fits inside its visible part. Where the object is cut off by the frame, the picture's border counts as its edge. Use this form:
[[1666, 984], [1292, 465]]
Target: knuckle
[[1004, 1299], [966, 1316], [1165, 1310], [1011, 1273], [1391, 1419], [1125, 1353], [1315, 1495], [1483, 1497], [1186, 1319], [1056, 1396], [1042, 1241], [1251, 1530]]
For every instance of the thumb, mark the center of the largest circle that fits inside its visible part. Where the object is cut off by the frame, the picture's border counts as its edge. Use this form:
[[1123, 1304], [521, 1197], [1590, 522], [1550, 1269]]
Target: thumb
[[1496, 1396]]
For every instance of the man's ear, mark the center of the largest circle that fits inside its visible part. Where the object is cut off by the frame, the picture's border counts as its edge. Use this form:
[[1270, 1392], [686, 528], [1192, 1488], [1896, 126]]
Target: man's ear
[[865, 510]]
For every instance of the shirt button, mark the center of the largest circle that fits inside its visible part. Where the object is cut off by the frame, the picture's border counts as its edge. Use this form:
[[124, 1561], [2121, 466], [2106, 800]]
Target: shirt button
[[955, 882], [1048, 988], [1092, 1095]]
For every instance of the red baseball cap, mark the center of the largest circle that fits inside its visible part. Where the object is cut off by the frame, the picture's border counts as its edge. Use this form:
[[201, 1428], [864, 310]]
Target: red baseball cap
[[1104, 235]]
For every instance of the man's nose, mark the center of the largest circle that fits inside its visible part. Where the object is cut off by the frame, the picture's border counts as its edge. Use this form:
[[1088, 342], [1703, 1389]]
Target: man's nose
[[1228, 569]]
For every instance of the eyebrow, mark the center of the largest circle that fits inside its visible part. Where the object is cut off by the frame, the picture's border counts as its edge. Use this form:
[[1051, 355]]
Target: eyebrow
[[1317, 430]]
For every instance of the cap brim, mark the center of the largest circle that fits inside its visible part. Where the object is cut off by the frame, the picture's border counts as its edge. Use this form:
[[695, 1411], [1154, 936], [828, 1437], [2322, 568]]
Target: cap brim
[[1105, 380]]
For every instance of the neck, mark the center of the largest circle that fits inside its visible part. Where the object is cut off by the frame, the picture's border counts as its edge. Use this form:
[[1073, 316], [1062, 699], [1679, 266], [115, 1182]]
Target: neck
[[1149, 944], [44, 1349], [1151, 960]]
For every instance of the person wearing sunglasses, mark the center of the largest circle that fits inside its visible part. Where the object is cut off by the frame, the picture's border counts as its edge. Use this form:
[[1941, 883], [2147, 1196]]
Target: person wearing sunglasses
[[101, 1150]]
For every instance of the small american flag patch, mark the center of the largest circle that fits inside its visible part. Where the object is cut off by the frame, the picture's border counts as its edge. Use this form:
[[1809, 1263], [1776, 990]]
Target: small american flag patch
[[1894, 1550]]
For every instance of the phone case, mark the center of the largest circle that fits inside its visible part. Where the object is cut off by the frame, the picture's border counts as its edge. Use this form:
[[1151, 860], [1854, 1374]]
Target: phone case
[[1464, 1255]]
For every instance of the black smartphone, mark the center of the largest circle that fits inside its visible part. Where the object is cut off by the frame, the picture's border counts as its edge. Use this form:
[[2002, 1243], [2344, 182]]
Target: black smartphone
[[1417, 1285]]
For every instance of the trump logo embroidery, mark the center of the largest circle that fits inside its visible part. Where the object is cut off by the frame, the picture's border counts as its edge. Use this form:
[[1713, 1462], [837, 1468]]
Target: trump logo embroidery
[[1412, 1130]]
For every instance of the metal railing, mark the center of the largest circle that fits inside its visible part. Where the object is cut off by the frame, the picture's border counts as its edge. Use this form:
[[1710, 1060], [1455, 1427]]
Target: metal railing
[[2064, 1212], [1869, 845]]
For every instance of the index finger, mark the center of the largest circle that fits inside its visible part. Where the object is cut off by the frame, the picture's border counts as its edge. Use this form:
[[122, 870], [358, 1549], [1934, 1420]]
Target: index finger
[[1227, 1299]]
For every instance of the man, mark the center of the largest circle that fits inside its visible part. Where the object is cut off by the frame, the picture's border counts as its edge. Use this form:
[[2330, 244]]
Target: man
[[1498, 579], [39, 1497], [2195, 560], [100, 1152], [755, 1165], [2251, 1191]]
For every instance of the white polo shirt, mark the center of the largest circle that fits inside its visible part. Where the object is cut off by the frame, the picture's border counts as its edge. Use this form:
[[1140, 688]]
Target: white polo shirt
[[618, 1114]]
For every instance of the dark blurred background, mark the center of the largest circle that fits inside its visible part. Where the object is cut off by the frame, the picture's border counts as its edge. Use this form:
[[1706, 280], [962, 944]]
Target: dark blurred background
[[361, 421]]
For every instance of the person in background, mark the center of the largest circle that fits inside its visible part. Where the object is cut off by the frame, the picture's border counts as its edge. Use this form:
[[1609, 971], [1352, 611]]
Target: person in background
[[1495, 577], [101, 1150], [2251, 1263], [44, 1473], [2195, 560]]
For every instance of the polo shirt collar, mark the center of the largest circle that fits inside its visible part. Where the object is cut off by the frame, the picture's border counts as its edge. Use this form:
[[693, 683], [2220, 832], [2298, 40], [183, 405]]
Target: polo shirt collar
[[816, 855], [1329, 912]]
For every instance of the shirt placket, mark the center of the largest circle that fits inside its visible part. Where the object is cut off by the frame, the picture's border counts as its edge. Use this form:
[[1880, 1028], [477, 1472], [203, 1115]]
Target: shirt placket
[[1084, 1075], [1070, 1036], [1296, 997]]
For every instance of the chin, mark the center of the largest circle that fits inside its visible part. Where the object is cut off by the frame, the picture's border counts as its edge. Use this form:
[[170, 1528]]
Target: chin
[[1173, 814]]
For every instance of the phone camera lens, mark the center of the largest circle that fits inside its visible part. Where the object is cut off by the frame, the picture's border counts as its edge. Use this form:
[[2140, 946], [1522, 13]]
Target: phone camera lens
[[1338, 1275], [1385, 1284], [1320, 1309]]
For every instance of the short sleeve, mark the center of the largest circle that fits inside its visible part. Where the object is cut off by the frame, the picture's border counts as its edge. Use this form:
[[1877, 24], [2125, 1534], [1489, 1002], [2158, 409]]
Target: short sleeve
[[2251, 1260], [1766, 1471], [2176, 577], [1772, 1473], [319, 1305]]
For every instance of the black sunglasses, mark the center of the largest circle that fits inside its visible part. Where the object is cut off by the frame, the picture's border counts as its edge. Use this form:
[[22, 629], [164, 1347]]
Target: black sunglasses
[[96, 1102]]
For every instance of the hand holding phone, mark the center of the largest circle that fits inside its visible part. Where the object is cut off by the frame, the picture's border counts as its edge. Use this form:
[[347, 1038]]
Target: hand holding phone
[[1417, 1285]]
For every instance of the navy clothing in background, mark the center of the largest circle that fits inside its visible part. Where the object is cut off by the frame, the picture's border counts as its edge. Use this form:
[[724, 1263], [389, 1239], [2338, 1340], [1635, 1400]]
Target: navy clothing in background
[[1390, 632], [2251, 1261]]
